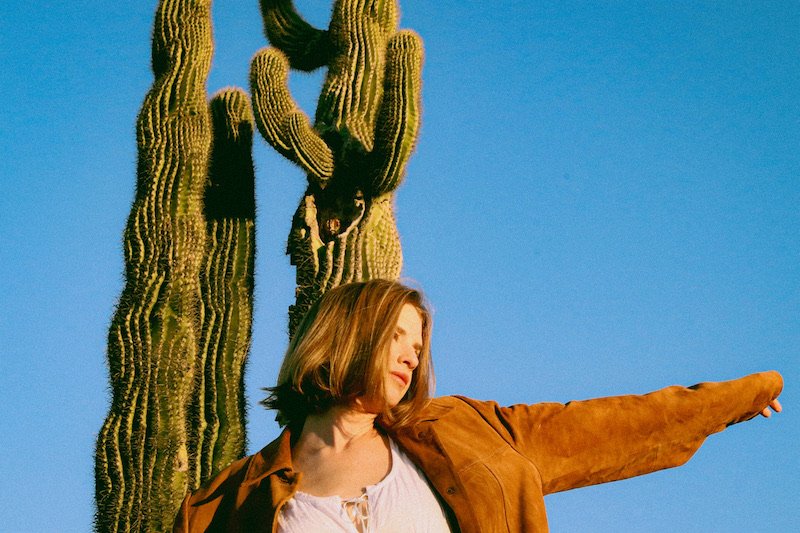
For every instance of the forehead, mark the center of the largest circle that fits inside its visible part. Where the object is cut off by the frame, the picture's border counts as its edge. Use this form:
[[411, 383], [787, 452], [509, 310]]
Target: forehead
[[410, 320]]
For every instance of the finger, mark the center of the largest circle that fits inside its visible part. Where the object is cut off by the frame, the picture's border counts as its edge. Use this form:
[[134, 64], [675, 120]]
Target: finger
[[766, 413], [776, 405]]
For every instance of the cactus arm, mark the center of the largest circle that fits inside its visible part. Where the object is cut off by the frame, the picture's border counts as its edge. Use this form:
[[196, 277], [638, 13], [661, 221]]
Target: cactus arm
[[306, 47], [310, 150], [280, 122], [272, 102], [227, 283], [353, 88], [399, 117]]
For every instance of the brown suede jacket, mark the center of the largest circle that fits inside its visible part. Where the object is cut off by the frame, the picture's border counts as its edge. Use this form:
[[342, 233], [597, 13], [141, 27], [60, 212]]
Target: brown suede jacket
[[491, 466]]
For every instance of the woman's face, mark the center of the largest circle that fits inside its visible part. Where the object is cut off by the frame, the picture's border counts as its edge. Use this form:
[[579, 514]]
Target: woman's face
[[403, 354]]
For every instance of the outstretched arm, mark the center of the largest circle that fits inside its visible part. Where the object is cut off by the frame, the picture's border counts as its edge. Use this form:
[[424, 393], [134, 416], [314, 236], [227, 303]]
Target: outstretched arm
[[607, 439]]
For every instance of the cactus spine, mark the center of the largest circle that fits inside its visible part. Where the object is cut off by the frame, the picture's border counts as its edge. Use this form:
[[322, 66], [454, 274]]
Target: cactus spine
[[180, 333], [355, 154]]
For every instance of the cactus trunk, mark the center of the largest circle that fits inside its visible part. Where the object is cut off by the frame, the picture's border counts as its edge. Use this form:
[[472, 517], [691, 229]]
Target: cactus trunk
[[180, 333], [226, 281], [355, 153]]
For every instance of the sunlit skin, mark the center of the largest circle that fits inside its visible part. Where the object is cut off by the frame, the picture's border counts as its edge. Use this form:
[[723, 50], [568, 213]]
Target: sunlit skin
[[403, 354], [341, 451]]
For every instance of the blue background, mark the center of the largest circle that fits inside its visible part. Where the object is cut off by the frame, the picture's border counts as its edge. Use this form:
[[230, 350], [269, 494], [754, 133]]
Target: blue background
[[604, 200]]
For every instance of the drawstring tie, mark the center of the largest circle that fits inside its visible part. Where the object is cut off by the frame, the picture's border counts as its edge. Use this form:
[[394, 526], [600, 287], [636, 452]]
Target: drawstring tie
[[357, 510]]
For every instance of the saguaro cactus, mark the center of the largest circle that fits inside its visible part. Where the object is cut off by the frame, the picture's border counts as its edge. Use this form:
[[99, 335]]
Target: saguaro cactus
[[355, 153], [180, 333]]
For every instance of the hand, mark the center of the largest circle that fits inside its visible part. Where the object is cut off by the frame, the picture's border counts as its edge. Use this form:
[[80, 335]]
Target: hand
[[775, 405]]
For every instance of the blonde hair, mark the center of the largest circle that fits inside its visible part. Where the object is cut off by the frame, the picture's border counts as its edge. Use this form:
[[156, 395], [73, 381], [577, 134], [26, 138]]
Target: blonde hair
[[338, 354]]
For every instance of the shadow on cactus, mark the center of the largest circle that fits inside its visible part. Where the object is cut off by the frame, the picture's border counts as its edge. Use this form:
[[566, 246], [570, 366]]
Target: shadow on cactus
[[355, 153]]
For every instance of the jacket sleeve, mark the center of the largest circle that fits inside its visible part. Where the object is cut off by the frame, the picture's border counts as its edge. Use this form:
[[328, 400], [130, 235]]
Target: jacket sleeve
[[607, 439]]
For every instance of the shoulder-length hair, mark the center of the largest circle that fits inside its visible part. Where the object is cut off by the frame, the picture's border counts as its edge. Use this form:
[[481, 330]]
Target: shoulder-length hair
[[339, 352]]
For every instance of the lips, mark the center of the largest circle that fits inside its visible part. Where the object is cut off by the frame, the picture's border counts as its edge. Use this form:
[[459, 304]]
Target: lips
[[404, 378]]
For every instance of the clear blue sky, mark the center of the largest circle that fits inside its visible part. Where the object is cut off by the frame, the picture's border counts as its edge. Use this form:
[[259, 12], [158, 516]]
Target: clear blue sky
[[604, 200]]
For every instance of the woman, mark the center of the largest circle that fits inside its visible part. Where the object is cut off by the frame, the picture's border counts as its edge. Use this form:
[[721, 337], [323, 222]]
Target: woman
[[365, 449]]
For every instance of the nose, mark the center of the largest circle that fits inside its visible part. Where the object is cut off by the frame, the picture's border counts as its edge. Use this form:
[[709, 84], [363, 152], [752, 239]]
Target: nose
[[408, 357]]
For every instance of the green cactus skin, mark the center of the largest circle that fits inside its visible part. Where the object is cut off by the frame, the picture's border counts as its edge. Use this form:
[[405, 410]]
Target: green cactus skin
[[180, 333], [226, 280], [142, 456], [355, 154]]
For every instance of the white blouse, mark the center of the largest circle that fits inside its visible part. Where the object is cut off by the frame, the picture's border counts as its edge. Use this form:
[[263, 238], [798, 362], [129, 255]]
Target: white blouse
[[401, 502]]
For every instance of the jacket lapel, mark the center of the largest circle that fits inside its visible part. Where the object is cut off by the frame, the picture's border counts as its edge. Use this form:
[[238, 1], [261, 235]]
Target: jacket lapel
[[422, 445], [268, 483]]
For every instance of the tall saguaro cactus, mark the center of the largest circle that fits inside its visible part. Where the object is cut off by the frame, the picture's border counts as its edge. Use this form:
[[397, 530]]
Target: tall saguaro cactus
[[355, 154], [180, 333]]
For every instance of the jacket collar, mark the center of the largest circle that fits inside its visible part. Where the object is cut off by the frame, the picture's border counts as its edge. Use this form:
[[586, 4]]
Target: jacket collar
[[274, 458], [436, 409]]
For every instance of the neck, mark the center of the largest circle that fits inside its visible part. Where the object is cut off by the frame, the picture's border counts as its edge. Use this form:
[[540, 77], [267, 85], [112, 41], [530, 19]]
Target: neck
[[338, 428]]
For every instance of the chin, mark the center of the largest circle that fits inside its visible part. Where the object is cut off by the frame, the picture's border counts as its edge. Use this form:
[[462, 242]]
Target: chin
[[394, 402]]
